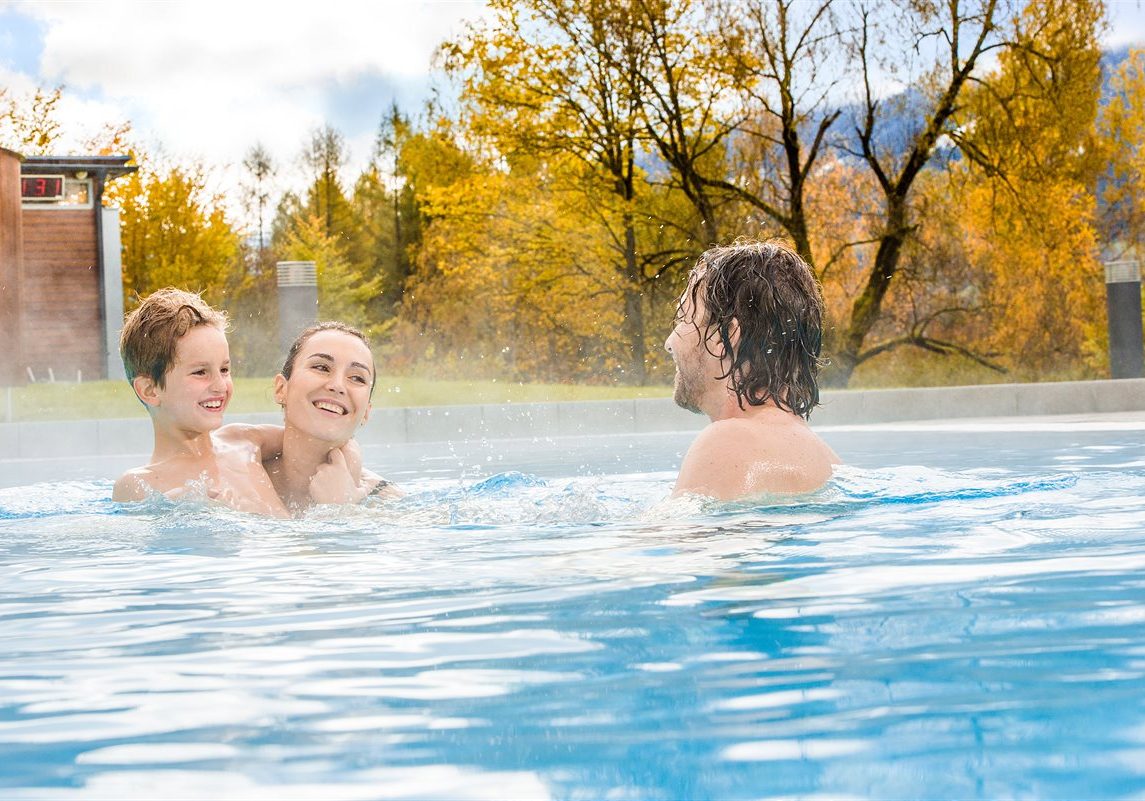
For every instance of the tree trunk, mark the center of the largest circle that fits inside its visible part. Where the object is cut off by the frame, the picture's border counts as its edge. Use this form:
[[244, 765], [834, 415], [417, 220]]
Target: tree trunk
[[867, 306], [633, 309]]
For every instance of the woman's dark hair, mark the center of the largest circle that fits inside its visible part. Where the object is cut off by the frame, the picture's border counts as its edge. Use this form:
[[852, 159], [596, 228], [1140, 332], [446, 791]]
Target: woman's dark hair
[[768, 292], [300, 340]]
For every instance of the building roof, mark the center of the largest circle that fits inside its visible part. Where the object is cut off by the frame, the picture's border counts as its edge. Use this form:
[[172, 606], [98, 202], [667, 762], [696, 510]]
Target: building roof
[[107, 166]]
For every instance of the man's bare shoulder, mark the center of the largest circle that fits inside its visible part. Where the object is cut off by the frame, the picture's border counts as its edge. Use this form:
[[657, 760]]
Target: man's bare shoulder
[[740, 457]]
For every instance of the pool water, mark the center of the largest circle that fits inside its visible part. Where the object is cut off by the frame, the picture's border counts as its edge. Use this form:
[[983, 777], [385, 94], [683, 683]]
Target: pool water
[[960, 614]]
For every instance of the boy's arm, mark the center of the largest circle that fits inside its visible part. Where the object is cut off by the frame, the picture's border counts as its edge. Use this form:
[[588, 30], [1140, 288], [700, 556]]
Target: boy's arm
[[266, 438]]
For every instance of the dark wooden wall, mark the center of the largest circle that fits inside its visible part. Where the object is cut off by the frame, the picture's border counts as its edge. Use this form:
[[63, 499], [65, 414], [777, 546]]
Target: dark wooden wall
[[62, 325], [11, 248]]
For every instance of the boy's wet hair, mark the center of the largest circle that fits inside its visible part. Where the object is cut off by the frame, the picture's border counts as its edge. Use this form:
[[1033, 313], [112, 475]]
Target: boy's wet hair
[[151, 332], [330, 325], [771, 294]]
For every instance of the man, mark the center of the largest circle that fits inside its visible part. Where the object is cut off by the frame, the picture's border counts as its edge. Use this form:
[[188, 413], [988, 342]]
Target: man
[[746, 346]]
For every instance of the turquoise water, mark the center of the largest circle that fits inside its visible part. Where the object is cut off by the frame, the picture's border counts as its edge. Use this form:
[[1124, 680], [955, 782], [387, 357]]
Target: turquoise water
[[960, 614]]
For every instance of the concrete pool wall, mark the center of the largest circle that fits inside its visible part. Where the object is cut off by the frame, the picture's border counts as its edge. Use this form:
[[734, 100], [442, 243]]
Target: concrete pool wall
[[45, 451]]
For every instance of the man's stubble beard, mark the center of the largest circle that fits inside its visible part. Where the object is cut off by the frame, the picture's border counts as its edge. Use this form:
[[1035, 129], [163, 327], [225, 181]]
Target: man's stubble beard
[[685, 392]]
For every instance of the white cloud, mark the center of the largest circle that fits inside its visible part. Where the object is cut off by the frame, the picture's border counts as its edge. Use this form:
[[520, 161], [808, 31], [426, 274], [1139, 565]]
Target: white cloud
[[1126, 23], [207, 79]]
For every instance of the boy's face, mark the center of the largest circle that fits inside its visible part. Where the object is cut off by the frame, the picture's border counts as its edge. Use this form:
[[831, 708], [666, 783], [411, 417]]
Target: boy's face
[[197, 386]]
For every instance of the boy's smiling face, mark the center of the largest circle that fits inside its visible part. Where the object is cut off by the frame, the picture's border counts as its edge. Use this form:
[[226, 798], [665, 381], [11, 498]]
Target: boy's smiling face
[[197, 386]]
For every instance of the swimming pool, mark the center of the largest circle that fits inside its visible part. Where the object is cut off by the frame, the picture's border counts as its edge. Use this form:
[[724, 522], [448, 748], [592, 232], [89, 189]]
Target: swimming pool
[[961, 614]]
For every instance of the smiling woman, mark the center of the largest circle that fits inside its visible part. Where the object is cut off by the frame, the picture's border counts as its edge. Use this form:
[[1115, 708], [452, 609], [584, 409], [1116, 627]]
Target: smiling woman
[[324, 390]]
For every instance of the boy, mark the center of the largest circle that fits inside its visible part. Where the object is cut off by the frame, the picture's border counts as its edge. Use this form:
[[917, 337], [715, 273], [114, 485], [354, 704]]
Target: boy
[[175, 352]]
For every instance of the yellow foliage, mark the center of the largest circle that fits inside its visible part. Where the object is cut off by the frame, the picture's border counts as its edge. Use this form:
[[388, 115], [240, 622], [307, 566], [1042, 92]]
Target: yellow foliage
[[28, 124], [174, 233], [520, 274], [1122, 127], [1044, 281], [342, 292]]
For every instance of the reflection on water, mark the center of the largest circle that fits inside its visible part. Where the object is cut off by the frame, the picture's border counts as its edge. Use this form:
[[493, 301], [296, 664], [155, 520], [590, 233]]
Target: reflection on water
[[907, 632]]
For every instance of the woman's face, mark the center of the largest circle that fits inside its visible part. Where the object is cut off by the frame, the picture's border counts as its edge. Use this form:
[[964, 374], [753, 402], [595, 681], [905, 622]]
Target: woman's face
[[328, 393]]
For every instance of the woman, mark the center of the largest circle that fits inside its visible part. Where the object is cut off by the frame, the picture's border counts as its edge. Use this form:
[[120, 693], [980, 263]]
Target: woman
[[324, 390]]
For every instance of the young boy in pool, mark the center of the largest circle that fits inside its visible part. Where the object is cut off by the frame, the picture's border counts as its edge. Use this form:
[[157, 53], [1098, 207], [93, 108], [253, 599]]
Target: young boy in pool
[[176, 355]]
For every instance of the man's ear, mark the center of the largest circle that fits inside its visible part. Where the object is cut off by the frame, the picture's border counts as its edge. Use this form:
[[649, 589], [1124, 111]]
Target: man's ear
[[733, 338], [146, 390], [280, 390]]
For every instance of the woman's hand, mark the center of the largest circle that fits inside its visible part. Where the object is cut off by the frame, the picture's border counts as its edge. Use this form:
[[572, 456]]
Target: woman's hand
[[334, 481], [353, 455]]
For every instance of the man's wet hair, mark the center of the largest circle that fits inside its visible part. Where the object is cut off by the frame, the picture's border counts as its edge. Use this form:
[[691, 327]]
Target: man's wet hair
[[151, 332], [771, 294]]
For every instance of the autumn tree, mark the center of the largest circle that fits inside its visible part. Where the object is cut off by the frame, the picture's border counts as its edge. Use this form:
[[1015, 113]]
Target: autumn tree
[[259, 170], [515, 278], [111, 139], [796, 119], [324, 155], [686, 88], [739, 105], [343, 293], [174, 232], [30, 124], [1122, 187], [388, 220], [1033, 159], [322, 226], [555, 78]]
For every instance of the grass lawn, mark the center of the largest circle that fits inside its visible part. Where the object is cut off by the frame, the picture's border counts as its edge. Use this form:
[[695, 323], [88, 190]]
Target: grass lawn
[[62, 401]]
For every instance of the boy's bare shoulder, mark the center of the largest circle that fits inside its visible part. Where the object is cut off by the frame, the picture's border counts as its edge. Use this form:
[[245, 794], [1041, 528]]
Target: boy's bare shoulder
[[134, 485]]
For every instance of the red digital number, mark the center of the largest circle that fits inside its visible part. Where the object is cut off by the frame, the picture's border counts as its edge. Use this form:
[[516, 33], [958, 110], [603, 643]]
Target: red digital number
[[40, 186]]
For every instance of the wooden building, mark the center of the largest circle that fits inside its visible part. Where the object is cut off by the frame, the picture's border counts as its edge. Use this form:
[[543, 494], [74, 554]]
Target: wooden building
[[61, 278]]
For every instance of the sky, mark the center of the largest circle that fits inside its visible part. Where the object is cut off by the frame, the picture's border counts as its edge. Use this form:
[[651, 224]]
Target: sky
[[205, 80]]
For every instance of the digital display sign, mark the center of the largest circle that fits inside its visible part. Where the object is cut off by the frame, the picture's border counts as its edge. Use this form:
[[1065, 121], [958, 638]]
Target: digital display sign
[[42, 187]]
